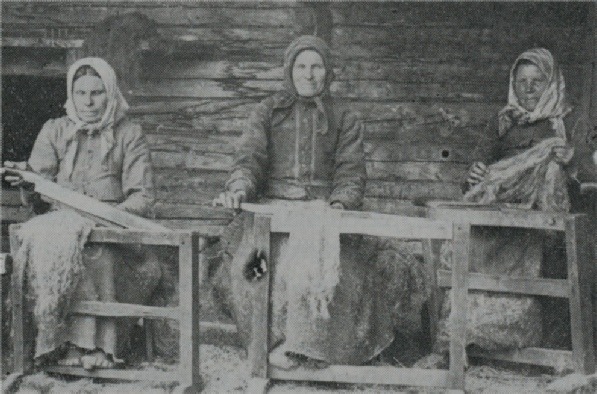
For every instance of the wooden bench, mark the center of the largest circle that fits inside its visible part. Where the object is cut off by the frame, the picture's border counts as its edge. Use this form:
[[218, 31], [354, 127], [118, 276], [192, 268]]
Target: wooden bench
[[376, 225], [189, 244], [577, 288]]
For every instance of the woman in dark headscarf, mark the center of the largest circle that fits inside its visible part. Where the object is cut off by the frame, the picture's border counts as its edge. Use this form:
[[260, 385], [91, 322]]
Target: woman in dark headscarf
[[299, 149], [95, 150], [536, 150]]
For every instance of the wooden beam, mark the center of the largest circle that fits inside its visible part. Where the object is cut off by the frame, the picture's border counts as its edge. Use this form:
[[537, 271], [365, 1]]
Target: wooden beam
[[40, 42], [531, 355], [119, 374], [117, 309], [366, 375], [508, 284], [501, 217], [115, 235], [579, 251]]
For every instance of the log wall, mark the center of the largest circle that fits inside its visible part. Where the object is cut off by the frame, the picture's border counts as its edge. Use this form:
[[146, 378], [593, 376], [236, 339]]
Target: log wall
[[423, 77]]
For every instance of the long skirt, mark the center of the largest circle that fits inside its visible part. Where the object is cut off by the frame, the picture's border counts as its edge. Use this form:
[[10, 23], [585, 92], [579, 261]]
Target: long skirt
[[359, 325]]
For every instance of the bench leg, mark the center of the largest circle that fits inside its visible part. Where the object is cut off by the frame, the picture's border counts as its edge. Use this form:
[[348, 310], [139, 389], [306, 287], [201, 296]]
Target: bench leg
[[259, 345], [580, 277]]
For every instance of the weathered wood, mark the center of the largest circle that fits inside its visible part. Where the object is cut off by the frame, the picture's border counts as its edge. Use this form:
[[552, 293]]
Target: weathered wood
[[376, 90], [366, 375], [459, 306], [41, 42], [393, 206], [10, 197], [593, 100], [445, 172], [188, 271], [429, 152], [120, 374], [191, 160], [117, 309], [167, 140], [509, 284], [38, 62], [15, 214], [117, 235], [259, 345], [580, 239], [501, 217], [191, 211], [206, 228], [222, 334], [412, 190], [530, 355], [431, 256], [20, 364]]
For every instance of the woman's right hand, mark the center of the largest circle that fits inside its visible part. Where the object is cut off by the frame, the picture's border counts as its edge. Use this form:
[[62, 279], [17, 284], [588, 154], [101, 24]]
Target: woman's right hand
[[12, 177], [477, 173], [229, 199]]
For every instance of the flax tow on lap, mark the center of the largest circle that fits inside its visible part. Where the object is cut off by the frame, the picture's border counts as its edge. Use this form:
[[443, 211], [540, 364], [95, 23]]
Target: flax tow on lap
[[51, 247]]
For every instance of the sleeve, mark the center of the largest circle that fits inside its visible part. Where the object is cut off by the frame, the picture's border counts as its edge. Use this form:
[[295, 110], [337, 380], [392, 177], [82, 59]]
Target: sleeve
[[349, 173], [486, 150], [44, 158], [584, 140], [137, 174], [251, 157]]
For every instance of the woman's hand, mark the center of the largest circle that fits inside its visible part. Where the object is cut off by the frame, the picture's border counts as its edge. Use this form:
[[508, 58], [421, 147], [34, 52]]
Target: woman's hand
[[477, 173], [12, 177], [230, 199], [562, 154]]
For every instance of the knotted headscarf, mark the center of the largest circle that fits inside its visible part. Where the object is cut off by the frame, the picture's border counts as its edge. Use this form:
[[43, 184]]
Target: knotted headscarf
[[290, 95], [115, 110], [552, 105]]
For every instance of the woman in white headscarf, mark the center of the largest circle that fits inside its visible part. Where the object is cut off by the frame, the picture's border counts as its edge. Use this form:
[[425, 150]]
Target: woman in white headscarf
[[536, 150], [97, 151]]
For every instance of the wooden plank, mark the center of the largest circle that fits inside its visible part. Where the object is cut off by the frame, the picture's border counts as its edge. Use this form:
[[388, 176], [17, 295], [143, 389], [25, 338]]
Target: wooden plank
[[501, 217], [41, 42], [509, 284], [593, 100], [376, 90], [259, 345], [459, 306], [431, 256], [579, 252], [117, 309], [116, 235], [393, 206], [180, 14], [88, 205], [413, 190], [37, 63], [192, 160], [192, 211], [207, 229], [20, 364], [188, 271], [531, 355], [445, 172], [365, 375], [429, 152], [119, 374]]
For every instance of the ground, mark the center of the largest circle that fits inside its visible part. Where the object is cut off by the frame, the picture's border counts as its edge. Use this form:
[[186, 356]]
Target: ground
[[224, 370]]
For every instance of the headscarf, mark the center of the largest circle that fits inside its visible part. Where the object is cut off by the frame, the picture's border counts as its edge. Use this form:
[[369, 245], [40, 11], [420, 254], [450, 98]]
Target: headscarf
[[552, 105], [115, 110], [289, 96]]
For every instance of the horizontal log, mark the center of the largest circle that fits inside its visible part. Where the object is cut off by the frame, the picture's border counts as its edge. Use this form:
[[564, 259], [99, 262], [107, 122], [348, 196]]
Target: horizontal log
[[167, 140], [393, 14], [195, 187], [40, 62], [508, 284], [445, 172], [118, 374], [561, 359], [117, 309], [153, 237], [365, 375], [191, 160], [168, 210], [190, 108], [426, 152], [393, 206], [41, 42], [374, 90], [413, 190], [206, 227], [200, 14], [500, 217]]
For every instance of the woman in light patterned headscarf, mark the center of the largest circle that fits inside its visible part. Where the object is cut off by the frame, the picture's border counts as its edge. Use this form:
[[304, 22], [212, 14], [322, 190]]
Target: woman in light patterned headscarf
[[534, 152]]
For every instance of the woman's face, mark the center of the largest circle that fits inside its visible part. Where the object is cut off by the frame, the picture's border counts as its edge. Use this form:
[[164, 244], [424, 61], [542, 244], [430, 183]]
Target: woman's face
[[89, 96], [529, 85], [308, 73]]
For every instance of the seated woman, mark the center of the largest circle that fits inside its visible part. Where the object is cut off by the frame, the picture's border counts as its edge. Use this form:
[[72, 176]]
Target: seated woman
[[301, 150], [536, 150], [97, 151]]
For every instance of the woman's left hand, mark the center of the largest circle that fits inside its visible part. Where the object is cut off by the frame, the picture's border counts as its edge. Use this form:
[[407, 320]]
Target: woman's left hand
[[563, 154]]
